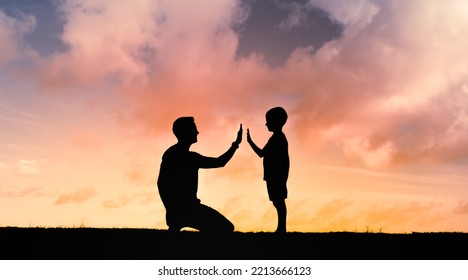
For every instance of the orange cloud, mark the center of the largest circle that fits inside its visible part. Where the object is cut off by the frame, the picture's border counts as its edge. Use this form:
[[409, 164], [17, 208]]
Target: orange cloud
[[77, 197], [406, 217], [23, 193], [461, 208], [333, 208], [123, 200], [350, 215]]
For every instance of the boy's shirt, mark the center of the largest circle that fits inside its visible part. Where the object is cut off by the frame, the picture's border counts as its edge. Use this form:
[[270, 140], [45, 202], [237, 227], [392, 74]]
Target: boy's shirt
[[276, 158]]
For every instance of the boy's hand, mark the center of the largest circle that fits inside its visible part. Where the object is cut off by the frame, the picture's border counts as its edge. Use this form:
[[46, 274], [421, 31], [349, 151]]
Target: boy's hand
[[248, 136], [239, 136]]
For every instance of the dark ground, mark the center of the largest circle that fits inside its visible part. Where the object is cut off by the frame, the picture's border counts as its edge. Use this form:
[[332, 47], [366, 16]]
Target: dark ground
[[149, 244]]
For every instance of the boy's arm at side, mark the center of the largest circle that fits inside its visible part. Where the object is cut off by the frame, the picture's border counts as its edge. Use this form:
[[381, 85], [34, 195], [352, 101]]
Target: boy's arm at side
[[256, 149]]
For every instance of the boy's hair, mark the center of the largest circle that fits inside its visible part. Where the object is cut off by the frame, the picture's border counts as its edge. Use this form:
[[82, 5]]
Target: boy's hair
[[180, 126], [278, 114]]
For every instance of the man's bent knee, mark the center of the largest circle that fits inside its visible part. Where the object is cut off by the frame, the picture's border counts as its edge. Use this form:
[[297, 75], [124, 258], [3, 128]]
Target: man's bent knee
[[229, 227]]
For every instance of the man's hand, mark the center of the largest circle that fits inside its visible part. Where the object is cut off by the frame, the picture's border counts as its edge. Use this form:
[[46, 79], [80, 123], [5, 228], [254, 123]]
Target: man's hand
[[239, 136]]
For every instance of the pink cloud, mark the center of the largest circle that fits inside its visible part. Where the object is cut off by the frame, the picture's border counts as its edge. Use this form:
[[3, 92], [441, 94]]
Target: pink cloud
[[390, 90], [106, 39], [381, 92], [378, 94]]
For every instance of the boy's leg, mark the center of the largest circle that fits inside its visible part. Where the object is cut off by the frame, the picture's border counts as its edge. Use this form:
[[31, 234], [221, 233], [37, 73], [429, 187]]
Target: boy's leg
[[280, 206]]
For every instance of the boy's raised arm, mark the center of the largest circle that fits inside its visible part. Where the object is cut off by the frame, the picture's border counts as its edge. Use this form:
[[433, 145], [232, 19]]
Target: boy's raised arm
[[256, 149]]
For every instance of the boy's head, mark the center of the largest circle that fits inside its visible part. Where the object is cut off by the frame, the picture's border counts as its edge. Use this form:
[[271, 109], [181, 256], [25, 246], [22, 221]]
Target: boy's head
[[276, 118]]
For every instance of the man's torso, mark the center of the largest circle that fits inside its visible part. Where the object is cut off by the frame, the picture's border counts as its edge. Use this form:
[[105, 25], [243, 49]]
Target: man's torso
[[178, 178]]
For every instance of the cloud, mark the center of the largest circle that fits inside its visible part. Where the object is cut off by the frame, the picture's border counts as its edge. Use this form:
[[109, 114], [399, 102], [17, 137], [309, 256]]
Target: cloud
[[298, 15], [333, 207], [276, 28], [372, 157], [12, 32], [77, 197], [106, 40], [390, 90], [461, 208], [115, 204], [144, 197], [349, 215], [136, 175], [352, 13], [145, 56], [28, 167], [23, 193], [410, 216], [88, 140], [140, 172]]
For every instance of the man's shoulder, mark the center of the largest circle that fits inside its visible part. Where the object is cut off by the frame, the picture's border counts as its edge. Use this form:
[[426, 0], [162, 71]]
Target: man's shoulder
[[176, 151], [172, 152], [172, 149]]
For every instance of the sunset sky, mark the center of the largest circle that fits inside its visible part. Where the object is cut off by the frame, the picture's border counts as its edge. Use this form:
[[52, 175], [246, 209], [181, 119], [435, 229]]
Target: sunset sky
[[376, 92]]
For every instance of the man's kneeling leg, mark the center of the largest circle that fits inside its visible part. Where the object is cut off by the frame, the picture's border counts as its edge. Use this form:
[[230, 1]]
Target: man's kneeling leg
[[207, 219]]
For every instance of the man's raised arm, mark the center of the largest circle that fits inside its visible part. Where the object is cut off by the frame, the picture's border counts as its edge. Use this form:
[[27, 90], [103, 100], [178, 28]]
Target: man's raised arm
[[210, 162]]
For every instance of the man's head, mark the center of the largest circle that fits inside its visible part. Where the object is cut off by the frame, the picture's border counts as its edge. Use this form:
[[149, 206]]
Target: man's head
[[276, 118], [185, 130]]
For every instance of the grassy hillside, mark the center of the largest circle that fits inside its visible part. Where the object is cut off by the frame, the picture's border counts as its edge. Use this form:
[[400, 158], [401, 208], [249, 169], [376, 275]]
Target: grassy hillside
[[128, 244]]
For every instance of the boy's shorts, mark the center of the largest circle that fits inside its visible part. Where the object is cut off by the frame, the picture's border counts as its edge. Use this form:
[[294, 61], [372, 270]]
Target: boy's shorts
[[277, 190]]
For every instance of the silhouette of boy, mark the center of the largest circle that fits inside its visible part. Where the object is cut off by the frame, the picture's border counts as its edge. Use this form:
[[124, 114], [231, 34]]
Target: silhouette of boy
[[275, 163], [178, 181]]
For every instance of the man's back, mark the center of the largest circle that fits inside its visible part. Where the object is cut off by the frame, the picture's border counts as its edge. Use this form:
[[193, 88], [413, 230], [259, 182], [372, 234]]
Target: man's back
[[178, 178]]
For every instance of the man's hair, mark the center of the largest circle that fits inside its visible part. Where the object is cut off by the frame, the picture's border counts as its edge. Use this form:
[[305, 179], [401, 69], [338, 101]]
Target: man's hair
[[179, 127], [278, 115]]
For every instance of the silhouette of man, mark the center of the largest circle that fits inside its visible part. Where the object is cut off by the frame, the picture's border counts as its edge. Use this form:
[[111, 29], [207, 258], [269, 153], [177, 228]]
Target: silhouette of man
[[178, 181]]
